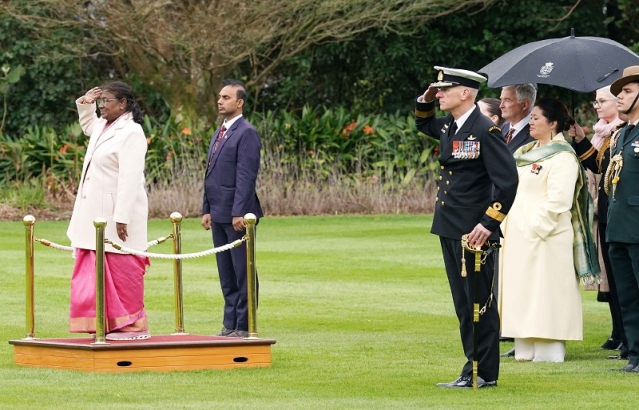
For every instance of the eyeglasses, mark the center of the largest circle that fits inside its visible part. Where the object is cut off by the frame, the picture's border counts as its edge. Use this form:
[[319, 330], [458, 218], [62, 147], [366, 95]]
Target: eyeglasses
[[599, 103], [101, 101]]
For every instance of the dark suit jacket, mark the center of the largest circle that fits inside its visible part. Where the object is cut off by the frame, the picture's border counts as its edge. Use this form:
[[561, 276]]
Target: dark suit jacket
[[229, 184], [521, 138], [465, 194], [623, 206]]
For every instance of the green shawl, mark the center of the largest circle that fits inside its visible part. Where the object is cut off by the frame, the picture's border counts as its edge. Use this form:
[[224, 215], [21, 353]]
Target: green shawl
[[584, 252]]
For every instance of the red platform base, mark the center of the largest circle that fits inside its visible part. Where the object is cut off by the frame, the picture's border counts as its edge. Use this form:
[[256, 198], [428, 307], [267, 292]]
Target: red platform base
[[159, 353]]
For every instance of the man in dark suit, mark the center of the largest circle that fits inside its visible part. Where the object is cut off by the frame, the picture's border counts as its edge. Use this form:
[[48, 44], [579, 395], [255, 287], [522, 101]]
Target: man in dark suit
[[477, 186], [517, 101], [229, 194], [622, 232]]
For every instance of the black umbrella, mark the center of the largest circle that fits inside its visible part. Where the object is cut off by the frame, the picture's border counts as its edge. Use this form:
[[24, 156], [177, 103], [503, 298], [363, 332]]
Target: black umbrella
[[582, 64]]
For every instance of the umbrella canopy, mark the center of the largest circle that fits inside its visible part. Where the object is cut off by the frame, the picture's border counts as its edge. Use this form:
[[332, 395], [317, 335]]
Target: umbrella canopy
[[582, 64]]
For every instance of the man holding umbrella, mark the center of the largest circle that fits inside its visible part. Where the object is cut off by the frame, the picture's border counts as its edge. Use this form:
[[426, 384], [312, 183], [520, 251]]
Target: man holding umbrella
[[623, 210], [477, 186]]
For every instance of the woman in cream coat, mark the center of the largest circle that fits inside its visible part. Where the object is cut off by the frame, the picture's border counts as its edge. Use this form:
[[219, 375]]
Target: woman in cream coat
[[111, 187], [539, 290]]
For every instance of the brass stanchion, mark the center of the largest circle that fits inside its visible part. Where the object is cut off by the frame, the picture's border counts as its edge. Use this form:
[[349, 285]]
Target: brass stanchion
[[176, 219], [100, 322], [250, 220], [28, 222]]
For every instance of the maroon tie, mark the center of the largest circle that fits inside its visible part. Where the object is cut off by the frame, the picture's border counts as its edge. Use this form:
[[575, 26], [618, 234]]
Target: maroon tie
[[217, 142], [219, 137], [509, 135]]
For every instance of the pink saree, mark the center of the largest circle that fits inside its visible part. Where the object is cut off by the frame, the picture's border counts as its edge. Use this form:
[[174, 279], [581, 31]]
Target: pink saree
[[123, 288]]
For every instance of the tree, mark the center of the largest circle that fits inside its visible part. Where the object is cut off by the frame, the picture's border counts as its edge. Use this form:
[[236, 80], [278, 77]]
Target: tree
[[184, 48], [378, 71]]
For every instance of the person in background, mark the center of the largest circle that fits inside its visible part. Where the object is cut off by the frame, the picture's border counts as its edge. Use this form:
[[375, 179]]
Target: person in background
[[548, 222], [490, 108], [111, 187], [622, 232], [516, 104], [229, 193], [477, 185], [595, 156]]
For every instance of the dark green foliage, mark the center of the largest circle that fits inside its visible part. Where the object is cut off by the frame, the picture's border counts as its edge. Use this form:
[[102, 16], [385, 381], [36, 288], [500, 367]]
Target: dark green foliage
[[382, 72], [387, 147], [53, 79]]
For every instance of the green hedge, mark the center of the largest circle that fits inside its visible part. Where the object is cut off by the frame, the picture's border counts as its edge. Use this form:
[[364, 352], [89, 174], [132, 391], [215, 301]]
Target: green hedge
[[320, 141]]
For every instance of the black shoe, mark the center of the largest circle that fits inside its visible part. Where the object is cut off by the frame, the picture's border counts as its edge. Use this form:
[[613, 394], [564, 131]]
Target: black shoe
[[466, 382], [239, 333], [611, 344], [225, 332], [506, 339], [630, 368], [510, 353], [623, 354]]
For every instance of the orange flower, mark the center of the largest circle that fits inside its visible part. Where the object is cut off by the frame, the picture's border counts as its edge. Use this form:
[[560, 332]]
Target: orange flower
[[64, 148], [368, 130], [349, 128], [186, 131], [148, 141]]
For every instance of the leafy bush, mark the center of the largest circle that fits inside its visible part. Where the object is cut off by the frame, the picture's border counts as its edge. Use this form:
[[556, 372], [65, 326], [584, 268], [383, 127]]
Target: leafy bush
[[345, 162]]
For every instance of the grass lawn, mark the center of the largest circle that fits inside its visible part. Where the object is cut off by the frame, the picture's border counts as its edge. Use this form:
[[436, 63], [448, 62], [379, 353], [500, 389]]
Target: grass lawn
[[360, 309]]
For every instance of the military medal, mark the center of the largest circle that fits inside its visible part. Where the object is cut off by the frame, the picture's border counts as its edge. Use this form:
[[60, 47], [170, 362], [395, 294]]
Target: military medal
[[466, 149], [535, 169]]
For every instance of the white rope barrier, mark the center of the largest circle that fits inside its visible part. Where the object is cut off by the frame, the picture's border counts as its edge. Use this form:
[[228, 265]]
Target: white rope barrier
[[54, 245], [212, 251], [57, 246]]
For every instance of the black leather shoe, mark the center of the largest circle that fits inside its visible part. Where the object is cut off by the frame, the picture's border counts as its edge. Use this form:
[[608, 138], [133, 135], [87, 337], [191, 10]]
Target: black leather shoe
[[225, 332], [510, 353], [630, 368], [623, 354], [239, 333], [506, 339], [611, 344], [466, 382]]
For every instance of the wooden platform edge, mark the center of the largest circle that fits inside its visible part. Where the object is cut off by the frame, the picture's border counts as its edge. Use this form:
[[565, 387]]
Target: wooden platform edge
[[139, 356]]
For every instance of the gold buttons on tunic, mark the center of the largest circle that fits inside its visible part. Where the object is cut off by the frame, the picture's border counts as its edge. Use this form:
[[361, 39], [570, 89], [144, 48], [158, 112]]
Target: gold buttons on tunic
[[447, 182], [450, 172], [441, 177], [442, 167], [442, 203]]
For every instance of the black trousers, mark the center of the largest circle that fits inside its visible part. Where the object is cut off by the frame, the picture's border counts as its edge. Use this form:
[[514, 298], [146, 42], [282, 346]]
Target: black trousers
[[615, 309], [463, 292], [231, 266], [624, 258]]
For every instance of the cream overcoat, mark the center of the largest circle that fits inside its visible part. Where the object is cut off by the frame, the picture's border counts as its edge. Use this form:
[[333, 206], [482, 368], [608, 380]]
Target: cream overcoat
[[539, 293], [112, 182]]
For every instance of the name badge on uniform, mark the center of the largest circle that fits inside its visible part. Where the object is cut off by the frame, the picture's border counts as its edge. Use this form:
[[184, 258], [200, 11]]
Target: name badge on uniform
[[466, 149], [535, 169]]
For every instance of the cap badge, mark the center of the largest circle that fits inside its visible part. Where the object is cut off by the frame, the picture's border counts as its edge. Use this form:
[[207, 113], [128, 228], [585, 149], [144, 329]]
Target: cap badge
[[440, 76]]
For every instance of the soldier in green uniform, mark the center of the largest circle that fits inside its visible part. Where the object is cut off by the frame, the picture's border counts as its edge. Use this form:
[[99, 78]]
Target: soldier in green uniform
[[622, 185], [476, 188]]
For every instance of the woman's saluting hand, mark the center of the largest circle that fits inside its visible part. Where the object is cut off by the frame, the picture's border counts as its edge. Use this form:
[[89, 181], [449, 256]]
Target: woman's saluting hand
[[92, 95]]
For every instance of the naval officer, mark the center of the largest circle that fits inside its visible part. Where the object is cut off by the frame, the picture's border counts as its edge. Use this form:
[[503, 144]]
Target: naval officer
[[476, 188]]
